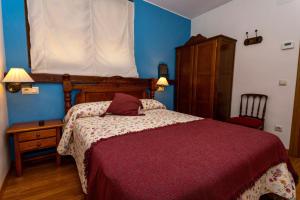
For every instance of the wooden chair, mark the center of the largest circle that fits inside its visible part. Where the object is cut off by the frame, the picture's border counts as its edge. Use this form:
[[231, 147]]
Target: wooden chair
[[252, 111]]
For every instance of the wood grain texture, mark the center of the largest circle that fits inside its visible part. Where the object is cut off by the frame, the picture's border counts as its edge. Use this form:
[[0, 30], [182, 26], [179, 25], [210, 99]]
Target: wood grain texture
[[204, 77], [103, 89], [37, 144], [184, 57], [46, 182], [32, 137], [33, 126], [294, 149]]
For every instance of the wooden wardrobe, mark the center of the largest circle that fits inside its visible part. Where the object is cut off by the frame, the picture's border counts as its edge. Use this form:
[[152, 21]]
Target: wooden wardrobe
[[204, 75]]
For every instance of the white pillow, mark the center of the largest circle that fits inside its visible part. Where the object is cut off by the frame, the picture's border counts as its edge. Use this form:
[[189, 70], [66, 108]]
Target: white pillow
[[151, 104]]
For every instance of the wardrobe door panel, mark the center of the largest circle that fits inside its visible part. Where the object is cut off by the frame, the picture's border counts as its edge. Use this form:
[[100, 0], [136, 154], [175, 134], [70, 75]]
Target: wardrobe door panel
[[224, 79], [204, 79], [184, 81]]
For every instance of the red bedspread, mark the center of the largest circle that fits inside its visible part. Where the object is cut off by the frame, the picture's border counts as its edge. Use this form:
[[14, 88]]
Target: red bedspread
[[203, 159]]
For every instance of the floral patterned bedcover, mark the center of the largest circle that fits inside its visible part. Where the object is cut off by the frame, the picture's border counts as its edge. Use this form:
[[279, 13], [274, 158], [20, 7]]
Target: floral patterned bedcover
[[84, 126]]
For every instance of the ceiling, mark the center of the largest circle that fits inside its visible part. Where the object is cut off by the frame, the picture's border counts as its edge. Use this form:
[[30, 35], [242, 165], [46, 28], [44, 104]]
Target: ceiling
[[188, 8]]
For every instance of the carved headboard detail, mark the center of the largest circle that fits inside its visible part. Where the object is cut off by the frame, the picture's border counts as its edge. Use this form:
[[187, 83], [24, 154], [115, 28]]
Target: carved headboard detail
[[93, 89]]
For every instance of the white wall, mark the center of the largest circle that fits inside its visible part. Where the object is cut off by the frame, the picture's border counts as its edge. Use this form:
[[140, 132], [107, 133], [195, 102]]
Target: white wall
[[4, 158], [258, 68]]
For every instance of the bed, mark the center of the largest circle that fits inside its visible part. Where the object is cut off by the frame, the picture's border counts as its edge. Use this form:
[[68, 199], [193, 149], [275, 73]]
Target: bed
[[164, 154]]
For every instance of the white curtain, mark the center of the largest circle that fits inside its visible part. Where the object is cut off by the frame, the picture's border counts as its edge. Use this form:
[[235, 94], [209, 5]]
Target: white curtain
[[82, 37]]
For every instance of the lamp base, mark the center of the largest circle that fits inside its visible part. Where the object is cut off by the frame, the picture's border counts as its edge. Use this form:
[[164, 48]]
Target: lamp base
[[160, 89], [13, 87]]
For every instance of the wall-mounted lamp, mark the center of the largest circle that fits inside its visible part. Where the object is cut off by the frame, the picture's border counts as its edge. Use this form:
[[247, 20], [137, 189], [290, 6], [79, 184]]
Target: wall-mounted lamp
[[161, 84], [14, 78], [163, 74]]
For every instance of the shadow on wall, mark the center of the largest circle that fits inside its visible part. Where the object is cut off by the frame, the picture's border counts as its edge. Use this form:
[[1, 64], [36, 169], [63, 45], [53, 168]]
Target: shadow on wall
[[4, 164]]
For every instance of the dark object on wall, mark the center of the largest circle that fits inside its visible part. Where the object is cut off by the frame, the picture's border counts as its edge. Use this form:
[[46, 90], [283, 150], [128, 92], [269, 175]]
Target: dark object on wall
[[254, 40], [252, 111], [42, 123], [204, 74], [163, 70]]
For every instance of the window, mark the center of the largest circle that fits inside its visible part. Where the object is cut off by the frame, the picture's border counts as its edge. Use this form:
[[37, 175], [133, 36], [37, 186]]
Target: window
[[82, 37]]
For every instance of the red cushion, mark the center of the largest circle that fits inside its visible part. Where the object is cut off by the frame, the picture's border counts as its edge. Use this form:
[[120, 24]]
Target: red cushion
[[246, 121], [124, 104]]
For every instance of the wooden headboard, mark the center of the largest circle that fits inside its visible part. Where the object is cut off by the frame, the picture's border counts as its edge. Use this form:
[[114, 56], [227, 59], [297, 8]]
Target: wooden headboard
[[93, 89]]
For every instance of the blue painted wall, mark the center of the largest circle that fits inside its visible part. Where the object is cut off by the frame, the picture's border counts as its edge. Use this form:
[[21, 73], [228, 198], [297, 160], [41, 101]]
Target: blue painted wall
[[157, 33]]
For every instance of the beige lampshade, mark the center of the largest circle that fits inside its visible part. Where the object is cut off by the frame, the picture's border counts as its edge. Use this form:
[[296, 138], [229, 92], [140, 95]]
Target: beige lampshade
[[162, 81], [17, 75]]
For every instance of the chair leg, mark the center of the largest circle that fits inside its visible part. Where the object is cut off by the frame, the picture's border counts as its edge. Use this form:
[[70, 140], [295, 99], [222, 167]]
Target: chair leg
[[262, 126]]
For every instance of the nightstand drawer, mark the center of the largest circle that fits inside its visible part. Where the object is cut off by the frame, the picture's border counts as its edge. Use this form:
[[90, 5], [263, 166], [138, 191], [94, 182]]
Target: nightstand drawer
[[34, 135], [30, 136], [37, 144]]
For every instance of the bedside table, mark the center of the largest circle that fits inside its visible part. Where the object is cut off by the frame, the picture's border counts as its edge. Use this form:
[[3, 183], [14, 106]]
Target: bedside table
[[31, 137]]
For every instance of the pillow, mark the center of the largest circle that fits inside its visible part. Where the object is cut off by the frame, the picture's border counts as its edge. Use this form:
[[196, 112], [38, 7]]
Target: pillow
[[151, 104], [86, 110], [124, 104]]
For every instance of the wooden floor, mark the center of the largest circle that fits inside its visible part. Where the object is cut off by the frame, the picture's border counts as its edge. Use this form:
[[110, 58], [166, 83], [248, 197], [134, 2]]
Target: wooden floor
[[44, 181], [47, 182]]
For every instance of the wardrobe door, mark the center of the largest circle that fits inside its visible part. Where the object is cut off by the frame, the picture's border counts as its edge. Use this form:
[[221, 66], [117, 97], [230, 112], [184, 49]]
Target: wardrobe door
[[184, 81], [204, 79], [224, 79]]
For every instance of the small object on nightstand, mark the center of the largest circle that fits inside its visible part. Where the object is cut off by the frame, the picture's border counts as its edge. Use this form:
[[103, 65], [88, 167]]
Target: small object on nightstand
[[32, 136], [41, 122]]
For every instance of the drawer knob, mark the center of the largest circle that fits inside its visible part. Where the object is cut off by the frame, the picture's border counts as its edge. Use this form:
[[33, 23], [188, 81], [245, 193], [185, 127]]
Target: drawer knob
[[38, 144], [38, 135]]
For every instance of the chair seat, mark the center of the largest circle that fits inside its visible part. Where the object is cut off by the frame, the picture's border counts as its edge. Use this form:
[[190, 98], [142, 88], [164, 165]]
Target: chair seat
[[247, 121]]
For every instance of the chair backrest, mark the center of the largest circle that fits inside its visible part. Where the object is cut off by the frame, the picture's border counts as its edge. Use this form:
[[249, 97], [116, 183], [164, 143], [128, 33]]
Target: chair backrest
[[253, 105]]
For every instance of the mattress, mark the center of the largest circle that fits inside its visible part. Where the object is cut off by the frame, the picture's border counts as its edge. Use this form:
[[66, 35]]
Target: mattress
[[84, 126]]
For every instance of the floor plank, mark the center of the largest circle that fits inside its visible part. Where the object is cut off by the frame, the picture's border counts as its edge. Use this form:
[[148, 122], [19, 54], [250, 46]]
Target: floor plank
[[45, 181]]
